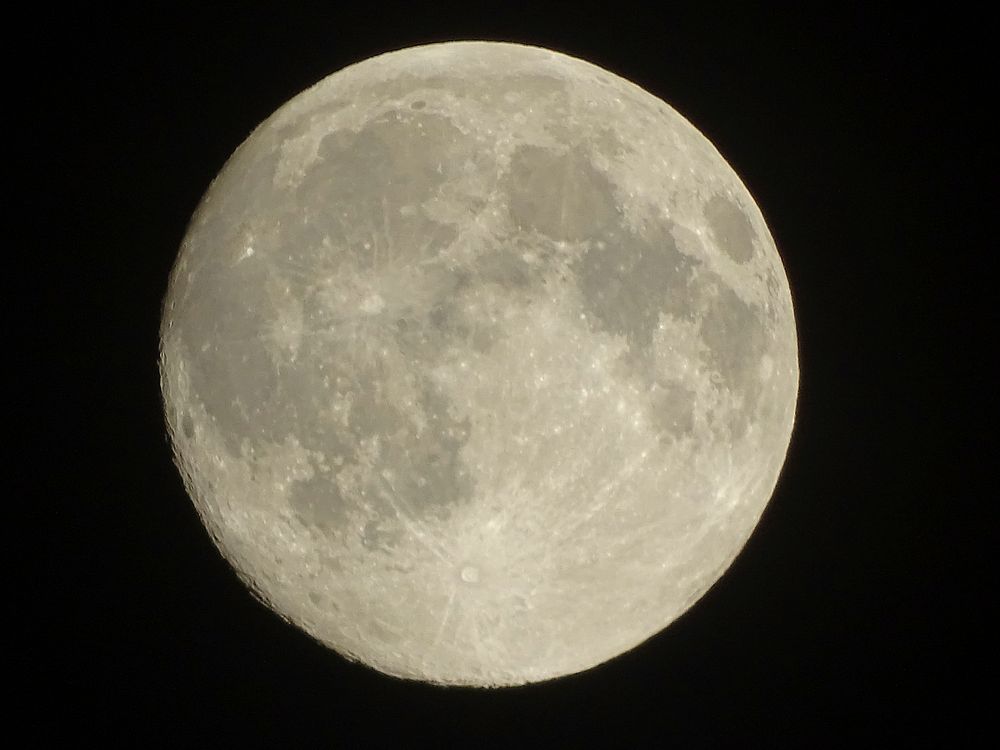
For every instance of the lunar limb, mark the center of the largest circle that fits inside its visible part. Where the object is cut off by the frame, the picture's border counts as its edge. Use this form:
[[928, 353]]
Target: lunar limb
[[479, 363]]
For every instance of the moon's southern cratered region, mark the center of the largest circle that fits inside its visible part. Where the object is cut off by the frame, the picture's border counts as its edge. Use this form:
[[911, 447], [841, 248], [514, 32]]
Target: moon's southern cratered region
[[479, 363]]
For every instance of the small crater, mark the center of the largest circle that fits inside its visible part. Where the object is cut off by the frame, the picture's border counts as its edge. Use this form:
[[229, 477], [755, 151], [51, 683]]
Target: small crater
[[470, 574], [419, 104]]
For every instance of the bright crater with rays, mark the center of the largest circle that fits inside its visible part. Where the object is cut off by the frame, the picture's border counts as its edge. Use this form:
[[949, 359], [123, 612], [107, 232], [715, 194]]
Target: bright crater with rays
[[479, 363]]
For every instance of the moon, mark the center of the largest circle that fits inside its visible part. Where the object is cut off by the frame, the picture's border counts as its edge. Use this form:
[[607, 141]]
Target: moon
[[479, 363]]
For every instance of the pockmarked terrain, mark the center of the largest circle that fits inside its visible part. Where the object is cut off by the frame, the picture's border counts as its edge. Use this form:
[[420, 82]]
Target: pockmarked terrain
[[479, 363]]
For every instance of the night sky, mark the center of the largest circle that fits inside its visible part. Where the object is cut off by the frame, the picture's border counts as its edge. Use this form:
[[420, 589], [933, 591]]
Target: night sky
[[853, 613]]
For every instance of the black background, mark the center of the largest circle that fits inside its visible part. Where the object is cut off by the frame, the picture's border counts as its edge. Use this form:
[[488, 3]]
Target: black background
[[854, 611]]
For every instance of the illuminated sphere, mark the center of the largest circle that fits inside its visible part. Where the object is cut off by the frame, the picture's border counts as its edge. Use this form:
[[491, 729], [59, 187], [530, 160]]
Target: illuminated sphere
[[479, 363]]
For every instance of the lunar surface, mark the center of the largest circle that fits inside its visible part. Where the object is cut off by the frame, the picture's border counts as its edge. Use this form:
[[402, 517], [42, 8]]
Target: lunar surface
[[479, 363]]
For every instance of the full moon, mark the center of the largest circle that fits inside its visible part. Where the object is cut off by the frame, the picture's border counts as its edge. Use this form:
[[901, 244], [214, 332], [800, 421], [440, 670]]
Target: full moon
[[479, 363]]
